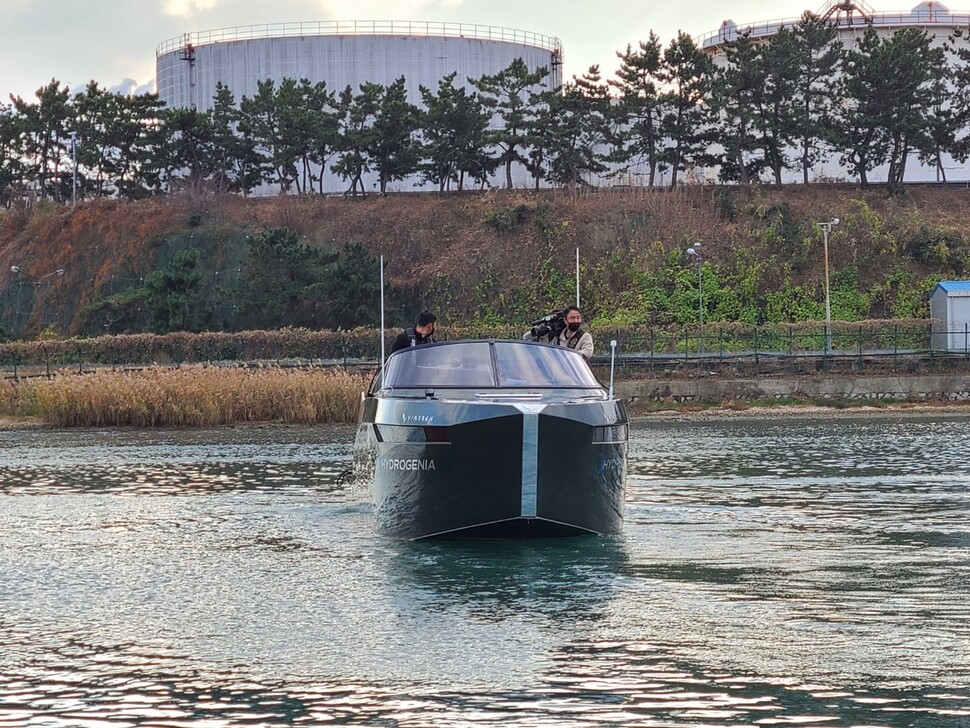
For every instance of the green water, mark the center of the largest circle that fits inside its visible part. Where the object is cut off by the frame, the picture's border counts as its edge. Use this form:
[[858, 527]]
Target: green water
[[779, 572]]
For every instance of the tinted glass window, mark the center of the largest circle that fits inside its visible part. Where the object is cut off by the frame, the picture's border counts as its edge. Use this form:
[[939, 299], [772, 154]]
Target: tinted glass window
[[469, 364], [534, 365], [447, 365]]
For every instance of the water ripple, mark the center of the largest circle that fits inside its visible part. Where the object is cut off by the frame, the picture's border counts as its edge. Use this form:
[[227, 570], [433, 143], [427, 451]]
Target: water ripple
[[770, 573]]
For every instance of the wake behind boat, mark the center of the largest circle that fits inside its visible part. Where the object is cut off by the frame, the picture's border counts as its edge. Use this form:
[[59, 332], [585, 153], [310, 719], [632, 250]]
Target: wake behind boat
[[492, 439]]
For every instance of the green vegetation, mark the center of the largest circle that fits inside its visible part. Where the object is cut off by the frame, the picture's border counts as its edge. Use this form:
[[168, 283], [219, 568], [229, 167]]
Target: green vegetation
[[775, 105], [480, 262], [174, 300]]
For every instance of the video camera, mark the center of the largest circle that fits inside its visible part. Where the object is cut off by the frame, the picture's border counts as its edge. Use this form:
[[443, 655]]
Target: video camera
[[547, 327]]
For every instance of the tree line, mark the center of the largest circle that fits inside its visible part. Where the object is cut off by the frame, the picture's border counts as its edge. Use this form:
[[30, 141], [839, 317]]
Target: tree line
[[768, 107]]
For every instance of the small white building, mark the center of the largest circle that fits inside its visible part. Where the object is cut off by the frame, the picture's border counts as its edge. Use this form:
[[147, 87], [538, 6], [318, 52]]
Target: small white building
[[950, 309]]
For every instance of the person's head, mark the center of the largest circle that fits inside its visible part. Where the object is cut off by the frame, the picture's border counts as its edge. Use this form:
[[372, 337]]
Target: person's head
[[573, 317], [425, 323]]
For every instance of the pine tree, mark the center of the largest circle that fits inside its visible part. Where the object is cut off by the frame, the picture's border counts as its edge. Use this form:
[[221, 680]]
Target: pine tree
[[639, 112], [578, 123], [817, 61], [394, 149], [513, 97], [687, 73], [453, 130], [737, 98], [356, 114]]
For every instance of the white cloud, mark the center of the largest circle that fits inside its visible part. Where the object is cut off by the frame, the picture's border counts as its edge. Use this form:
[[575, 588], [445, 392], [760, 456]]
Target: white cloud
[[125, 88], [383, 10], [183, 8]]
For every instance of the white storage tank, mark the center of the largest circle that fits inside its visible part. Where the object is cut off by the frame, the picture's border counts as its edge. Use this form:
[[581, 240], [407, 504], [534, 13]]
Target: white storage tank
[[189, 67], [950, 305]]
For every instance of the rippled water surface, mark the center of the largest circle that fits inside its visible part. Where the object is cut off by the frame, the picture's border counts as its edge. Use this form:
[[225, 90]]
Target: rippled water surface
[[777, 572]]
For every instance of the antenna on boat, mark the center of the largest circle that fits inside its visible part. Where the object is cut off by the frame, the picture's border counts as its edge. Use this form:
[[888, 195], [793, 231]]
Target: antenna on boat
[[612, 364], [577, 276], [382, 319]]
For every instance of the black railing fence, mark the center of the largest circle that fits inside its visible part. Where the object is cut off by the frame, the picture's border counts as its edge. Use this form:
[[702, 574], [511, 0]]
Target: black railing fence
[[730, 349], [878, 347], [795, 340]]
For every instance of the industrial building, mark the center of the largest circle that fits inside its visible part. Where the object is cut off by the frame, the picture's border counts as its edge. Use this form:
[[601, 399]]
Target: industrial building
[[851, 17], [189, 67]]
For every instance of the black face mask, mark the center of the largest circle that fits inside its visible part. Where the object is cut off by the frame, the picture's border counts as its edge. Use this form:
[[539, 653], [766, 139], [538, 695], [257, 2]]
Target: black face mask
[[574, 327]]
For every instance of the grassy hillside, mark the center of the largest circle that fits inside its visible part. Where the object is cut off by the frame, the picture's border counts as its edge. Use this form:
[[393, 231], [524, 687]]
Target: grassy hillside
[[499, 256]]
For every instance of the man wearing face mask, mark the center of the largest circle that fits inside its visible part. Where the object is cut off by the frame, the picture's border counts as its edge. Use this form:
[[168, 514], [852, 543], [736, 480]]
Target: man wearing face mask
[[573, 336], [421, 333]]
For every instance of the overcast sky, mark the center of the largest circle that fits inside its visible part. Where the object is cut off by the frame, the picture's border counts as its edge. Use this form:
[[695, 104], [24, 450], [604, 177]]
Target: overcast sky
[[113, 41]]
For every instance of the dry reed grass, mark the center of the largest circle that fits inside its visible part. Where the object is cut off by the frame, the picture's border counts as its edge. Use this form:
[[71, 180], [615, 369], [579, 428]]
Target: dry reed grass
[[14, 399], [189, 397]]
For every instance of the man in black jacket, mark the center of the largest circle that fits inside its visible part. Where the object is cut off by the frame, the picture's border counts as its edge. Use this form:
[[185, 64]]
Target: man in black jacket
[[421, 333]]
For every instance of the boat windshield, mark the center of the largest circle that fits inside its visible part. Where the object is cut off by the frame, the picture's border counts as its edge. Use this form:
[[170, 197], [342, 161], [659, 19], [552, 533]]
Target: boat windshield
[[483, 364]]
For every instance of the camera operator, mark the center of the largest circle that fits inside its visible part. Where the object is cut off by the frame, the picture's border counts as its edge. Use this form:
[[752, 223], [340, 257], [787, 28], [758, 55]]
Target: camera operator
[[573, 336]]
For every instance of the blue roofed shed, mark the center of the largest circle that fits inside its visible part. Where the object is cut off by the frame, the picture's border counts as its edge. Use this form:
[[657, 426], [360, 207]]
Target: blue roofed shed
[[950, 309]]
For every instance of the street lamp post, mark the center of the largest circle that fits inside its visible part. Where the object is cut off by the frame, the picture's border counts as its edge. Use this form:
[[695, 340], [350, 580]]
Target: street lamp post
[[826, 229], [695, 254], [74, 161], [38, 279]]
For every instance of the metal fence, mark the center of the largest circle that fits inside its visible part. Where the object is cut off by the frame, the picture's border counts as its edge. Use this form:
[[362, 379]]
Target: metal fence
[[779, 349], [729, 350]]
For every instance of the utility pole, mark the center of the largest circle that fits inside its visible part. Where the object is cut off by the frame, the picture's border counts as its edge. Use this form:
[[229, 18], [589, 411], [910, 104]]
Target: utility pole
[[695, 254], [74, 162], [826, 229]]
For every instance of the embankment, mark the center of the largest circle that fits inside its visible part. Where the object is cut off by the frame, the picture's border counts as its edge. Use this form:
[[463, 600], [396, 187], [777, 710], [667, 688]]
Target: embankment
[[838, 391]]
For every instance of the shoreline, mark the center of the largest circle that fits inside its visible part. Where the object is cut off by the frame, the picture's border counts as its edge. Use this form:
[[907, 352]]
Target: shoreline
[[787, 411], [902, 409]]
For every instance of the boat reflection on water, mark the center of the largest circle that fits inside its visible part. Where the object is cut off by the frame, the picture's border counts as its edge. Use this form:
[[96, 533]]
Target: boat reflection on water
[[492, 439], [568, 579]]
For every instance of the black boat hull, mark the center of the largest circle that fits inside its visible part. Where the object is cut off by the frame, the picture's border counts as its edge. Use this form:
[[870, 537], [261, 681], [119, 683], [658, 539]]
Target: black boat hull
[[486, 470]]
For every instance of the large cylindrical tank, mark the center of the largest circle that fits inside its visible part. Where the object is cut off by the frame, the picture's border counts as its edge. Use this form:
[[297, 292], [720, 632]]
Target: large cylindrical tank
[[189, 67], [850, 21]]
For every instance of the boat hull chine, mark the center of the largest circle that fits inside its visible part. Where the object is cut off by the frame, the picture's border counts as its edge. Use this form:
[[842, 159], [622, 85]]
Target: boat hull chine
[[516, 528]]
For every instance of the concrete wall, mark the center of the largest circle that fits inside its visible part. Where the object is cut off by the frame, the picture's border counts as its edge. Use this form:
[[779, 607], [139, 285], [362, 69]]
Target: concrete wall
[[938, 388]]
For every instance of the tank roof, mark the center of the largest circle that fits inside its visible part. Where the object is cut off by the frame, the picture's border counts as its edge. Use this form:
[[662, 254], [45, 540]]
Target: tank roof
[[359, 28], [842, 14]]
